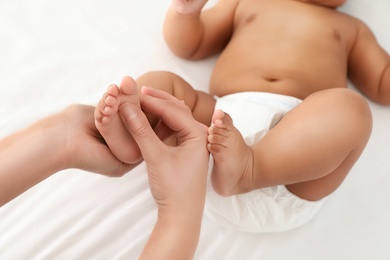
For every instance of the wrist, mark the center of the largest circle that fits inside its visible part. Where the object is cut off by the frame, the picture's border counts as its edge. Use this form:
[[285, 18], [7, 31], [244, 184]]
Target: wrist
[[173, 237], [186, 207], [69, 129], [32, 155], [186, 216], [185, 227], [56, 146]]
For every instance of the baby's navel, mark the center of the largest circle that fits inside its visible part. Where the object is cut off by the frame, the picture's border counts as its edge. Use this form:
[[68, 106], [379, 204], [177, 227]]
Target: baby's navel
[[271, 79]]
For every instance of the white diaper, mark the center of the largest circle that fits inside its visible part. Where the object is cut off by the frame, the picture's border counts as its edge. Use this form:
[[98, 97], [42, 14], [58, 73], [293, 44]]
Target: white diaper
[[272, 209]]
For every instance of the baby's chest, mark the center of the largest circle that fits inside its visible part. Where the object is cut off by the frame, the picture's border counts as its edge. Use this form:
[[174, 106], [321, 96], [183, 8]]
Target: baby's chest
[[268, 20]]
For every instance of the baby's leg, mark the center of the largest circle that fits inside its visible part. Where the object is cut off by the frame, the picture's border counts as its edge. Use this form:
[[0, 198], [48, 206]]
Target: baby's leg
[[311, 150], [201, 104], [109, 123]]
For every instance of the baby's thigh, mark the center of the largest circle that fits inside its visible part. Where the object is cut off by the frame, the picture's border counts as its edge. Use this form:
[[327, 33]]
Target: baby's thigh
[[335, 115], [338, 127], [338, 109], [315, 145]]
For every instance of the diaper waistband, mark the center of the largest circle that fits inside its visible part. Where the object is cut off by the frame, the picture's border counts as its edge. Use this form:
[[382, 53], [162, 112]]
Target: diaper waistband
[[283, 102]]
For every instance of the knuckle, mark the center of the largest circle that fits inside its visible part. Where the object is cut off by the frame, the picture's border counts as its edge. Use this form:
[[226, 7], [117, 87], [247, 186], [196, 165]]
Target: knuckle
[[141, 130]]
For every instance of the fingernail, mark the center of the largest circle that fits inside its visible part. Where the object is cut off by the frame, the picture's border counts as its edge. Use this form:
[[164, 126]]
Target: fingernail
[[144, 88]]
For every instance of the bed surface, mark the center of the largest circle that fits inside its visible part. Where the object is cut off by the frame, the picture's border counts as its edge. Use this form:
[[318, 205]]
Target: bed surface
[[55, 53]]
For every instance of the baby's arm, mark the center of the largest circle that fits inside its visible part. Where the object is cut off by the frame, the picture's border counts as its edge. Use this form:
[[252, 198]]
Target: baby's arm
[[369, 66], [193, 34]]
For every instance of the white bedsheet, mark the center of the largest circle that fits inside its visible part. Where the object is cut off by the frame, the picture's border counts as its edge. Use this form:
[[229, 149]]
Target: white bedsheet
[[54, 53]]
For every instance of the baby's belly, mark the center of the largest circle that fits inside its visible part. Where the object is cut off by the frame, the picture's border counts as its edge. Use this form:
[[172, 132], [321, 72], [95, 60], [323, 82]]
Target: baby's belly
[[284, 87], [298, 85]]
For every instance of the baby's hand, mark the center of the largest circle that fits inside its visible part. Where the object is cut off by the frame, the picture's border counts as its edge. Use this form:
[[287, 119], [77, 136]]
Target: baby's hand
[[188, 6]]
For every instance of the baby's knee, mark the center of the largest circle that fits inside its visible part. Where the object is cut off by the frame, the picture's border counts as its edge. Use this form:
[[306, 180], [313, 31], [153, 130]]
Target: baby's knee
[[355, 109], [158, 75], [162, 80], [356, 103], [348, 108]]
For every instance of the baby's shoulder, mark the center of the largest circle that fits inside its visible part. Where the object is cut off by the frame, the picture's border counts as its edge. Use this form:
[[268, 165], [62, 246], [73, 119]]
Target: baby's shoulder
[[347, 24], [348, 20]]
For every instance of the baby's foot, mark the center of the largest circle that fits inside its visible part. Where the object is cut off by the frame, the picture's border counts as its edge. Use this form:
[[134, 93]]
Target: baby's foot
[[233, 158], [109, 123]]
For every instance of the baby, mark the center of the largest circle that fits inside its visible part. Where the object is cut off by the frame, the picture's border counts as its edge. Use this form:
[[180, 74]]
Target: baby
[[284, 67]]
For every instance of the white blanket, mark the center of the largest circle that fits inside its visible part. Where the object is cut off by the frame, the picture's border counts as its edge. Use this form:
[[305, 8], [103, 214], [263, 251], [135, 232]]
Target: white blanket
[[55, 53]]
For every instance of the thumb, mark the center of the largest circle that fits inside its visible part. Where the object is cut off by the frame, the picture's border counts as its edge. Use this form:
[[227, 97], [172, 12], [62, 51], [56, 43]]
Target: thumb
[[138, 126]]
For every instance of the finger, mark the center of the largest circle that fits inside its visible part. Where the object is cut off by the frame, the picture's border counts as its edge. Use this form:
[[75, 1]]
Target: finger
[[157, 93], [173, 112], [138, 126]]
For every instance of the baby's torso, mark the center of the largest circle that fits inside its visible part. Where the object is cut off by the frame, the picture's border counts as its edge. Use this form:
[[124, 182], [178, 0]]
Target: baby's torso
[[285, 47]]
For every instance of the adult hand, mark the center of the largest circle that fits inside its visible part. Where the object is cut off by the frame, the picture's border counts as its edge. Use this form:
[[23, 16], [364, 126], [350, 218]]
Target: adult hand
[[67, 139], [84, 146], [177, 174]]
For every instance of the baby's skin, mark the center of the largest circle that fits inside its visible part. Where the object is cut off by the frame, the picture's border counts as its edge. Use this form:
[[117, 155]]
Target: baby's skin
[[231, 155], [301, 48], [109, 123]]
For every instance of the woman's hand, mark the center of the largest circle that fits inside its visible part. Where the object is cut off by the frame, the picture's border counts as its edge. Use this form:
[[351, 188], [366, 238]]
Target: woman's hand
[[177, 174], [84, 146], [64, 140]]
